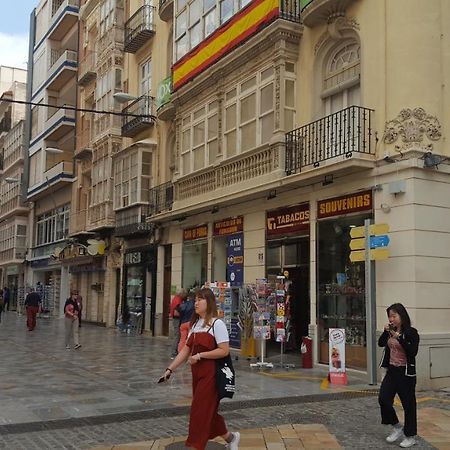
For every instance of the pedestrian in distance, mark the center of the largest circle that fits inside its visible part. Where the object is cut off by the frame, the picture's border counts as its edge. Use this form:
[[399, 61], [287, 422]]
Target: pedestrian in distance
[[401, 343], [208, 340], [33, 304], [6, 298], [175, 316], [186, 310], [71, 314], [2, 303], [79, 300]]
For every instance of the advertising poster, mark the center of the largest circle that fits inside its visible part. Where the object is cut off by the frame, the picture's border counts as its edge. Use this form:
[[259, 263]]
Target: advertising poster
[[337, 356], [235, 259]]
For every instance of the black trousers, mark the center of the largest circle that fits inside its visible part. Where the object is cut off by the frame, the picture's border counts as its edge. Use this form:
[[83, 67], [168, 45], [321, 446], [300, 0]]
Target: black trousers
[[396, 382]]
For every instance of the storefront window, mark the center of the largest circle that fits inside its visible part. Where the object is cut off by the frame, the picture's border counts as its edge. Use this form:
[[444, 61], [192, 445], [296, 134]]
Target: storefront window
[[341, 290], [135, 288], [195, 263]]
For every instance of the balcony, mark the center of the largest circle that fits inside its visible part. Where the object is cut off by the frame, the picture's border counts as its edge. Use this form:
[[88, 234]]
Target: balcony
[[161, 198], [46, 250], [133, 222], [62, 68], [11, 200], [165, 10], [5, 124], [101, 216], [59, 124], [316, 12], [78, 221], [13, 248], [141, 116], [86, 70], [331, 139], [165, 109], [84, 142], [64, 17], [139, 28], [53, 178]]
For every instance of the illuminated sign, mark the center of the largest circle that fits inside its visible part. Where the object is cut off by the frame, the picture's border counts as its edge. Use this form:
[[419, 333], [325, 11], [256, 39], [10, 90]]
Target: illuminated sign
[[288, 220], [346, 204]]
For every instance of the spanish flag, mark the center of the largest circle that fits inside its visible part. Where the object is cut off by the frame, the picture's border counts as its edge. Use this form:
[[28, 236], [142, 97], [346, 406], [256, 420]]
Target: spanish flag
[[239, 28]]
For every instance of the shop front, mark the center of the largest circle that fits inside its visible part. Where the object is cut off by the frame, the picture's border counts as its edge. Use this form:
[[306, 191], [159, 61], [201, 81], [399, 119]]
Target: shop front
[[195, 257], [287, 265], [340, 283]]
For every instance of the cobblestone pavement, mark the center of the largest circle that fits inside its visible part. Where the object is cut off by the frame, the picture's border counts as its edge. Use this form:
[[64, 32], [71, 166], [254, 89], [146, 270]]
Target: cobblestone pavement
[[52, 398]]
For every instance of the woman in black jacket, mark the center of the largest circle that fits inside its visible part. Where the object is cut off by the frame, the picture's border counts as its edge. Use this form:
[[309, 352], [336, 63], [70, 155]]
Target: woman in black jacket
[[401, 343]]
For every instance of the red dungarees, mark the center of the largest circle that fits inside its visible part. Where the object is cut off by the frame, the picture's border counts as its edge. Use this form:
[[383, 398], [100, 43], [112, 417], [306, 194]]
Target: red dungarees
[[205, 423]]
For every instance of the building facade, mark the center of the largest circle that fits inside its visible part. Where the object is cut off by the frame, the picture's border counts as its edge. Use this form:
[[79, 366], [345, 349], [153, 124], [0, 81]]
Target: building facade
[[297, 123], [13, 211], [52, 77]]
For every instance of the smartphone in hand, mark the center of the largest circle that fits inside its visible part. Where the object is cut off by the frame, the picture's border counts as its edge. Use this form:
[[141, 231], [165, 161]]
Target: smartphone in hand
[[163, 378]]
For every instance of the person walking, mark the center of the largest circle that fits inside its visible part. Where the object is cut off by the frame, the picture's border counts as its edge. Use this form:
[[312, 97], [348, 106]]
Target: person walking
[[186, 310], [401, 343], [6, 298], [175, 316], [71, 313], [208, 340], [2, 302], [79, 300], [33, 304]]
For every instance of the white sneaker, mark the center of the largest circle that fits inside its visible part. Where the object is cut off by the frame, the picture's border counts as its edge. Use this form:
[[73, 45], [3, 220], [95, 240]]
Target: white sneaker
[[234, 444], [397, 432], [409, 441]]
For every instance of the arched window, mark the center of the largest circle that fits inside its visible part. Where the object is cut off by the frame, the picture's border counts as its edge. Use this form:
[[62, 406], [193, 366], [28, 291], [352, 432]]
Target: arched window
[[341, 77]]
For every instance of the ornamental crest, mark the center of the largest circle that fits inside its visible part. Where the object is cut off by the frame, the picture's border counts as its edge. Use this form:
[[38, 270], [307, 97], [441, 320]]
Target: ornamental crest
[[411, 125]]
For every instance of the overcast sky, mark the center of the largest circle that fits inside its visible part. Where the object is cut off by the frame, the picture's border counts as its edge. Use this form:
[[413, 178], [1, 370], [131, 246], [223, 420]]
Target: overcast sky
[[14, 25]]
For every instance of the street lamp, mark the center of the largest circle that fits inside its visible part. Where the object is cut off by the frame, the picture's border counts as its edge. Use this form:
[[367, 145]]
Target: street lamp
[[54, 150], [124, 97], [12, 180]]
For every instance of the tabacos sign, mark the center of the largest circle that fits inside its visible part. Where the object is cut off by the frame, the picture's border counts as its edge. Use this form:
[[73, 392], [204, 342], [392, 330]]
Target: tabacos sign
[[287, 220], [346, 204]]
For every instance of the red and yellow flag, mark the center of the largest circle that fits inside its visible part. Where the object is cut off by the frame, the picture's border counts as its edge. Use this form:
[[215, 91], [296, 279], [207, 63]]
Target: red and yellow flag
[[244, 24]]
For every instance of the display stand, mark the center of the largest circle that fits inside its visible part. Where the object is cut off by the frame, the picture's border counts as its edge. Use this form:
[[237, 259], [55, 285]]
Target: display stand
[[281, 332], [262, 364], [261, 332]]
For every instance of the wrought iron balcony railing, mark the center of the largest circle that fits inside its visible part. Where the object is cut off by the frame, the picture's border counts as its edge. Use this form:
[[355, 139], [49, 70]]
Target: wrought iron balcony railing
[[133, 224], [143, 116], [161, 198], [340, 134], [290, 10], [139, 28]]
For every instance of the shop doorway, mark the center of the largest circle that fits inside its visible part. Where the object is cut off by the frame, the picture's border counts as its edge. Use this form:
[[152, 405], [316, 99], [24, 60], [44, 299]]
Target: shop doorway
[[289, 258]]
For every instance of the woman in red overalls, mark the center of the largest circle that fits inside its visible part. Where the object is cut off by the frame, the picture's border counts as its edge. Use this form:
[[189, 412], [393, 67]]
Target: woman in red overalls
[[205, 344]]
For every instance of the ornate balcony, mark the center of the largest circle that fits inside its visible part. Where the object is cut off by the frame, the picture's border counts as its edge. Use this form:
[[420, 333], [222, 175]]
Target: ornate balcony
[[315, 12], [165, 10], [331, 139], [139, 28], [86, 71], [101, 216], [132, 222], [161, 198], [141, 116]]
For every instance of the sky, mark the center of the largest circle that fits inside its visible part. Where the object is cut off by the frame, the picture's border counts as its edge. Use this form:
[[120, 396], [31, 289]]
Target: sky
[[14, 26]]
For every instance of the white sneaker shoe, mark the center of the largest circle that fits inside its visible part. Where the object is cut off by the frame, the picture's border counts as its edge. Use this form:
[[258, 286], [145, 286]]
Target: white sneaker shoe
[[234, 444], [397, 433], [409, 441]]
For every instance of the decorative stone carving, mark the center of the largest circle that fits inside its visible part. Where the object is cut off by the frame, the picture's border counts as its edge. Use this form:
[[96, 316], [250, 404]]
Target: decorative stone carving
[[337, 25], [411, 125]]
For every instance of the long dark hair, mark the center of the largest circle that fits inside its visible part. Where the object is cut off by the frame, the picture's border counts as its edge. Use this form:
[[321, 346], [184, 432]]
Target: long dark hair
[[401, 311], [211, 308]]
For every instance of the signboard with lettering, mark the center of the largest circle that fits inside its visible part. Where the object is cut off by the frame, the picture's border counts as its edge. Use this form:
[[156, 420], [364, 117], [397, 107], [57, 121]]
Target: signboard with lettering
[[235, 259], [288, 220], [199, 232], [230, 225], [345, 204], [235, 333], [164, 92]]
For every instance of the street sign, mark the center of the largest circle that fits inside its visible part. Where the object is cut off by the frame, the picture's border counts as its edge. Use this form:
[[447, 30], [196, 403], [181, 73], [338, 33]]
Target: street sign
[[357, 244], [379, 241], [376, 254], [376, 228]]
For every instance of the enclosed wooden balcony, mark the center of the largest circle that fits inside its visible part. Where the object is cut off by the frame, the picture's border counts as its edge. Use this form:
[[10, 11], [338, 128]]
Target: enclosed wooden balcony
[[86, 69]]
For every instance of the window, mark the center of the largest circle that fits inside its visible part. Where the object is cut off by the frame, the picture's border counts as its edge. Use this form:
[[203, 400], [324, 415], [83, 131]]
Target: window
[[145, 71], [341, 78], [106, 15], [53, 225]]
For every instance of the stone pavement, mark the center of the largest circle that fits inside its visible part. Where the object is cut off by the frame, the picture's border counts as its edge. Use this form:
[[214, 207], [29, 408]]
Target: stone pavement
[[106, 394]]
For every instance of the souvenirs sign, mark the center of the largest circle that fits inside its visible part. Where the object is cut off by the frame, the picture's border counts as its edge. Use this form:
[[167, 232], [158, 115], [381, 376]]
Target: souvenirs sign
[[345, 204]]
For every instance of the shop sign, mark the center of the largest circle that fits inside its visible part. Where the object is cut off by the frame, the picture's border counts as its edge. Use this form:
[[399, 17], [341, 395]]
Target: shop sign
[[133, 258], [235, 259], [70, 252], [228, 226], [200, 232], [12, 270], [336, 341], [235, 333], [345, 204], [288, 220], [164, 92]]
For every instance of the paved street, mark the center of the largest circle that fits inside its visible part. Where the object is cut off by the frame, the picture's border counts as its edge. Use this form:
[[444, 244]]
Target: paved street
[[106, 394]]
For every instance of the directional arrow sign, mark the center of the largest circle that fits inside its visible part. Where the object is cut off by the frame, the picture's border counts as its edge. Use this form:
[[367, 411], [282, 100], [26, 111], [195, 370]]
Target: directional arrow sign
[[379, 241], [376, 228], [375, 254], [357, 244]]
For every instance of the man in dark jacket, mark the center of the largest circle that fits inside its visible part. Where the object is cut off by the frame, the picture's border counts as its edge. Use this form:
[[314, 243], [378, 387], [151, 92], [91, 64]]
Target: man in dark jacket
[[32, 305]]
